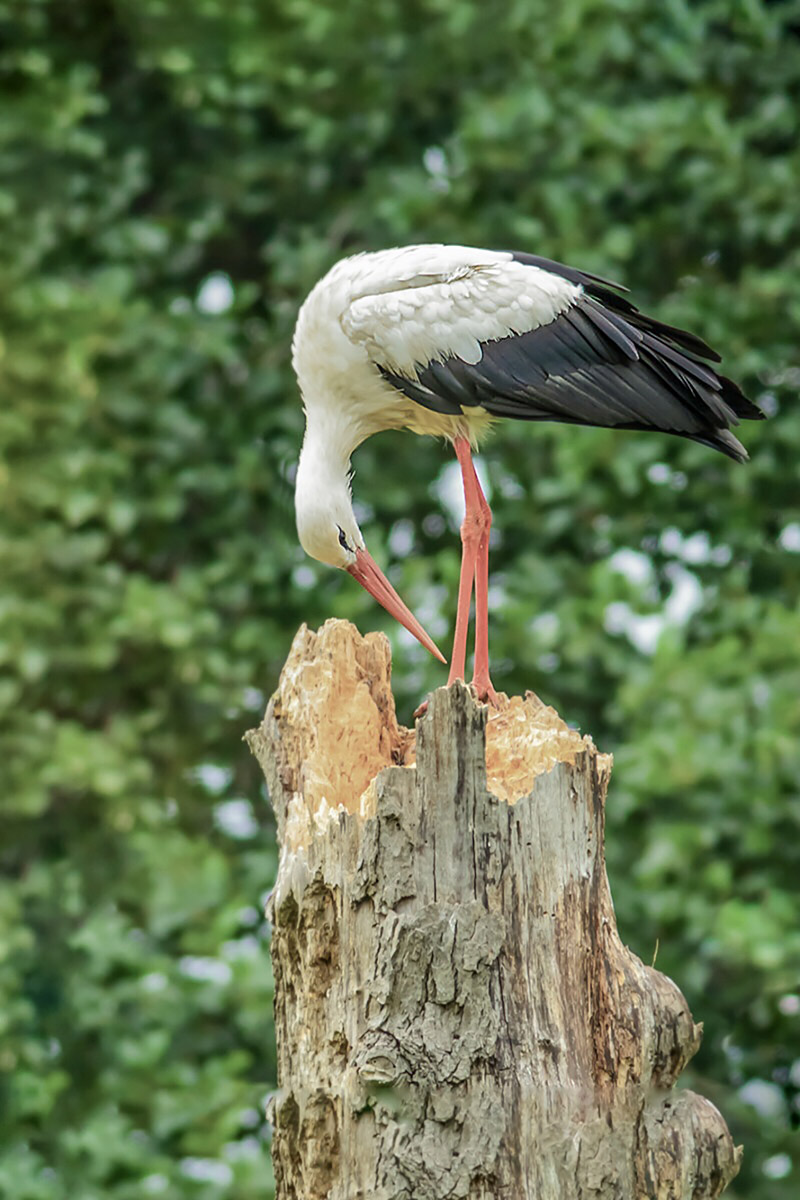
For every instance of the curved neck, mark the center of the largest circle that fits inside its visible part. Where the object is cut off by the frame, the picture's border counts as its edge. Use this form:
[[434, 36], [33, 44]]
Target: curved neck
[[322, 496], [324, 463]]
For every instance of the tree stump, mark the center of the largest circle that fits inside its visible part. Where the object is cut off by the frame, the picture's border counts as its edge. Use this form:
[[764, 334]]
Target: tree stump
[[456, 1016]]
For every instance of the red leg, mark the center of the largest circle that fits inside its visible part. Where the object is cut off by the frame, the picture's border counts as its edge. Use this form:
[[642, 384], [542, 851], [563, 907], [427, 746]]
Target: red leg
[[458, 659], [474, 566], [480, 679]]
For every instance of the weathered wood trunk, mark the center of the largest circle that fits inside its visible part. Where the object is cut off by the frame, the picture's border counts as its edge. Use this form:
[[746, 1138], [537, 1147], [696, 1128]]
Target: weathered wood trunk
[[456, 1015]]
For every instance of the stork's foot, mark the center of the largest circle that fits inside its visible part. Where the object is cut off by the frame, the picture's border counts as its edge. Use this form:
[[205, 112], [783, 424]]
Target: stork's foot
[[482, 689]]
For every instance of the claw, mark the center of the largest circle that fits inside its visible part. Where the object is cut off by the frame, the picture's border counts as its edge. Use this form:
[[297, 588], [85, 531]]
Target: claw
[[485, 693]]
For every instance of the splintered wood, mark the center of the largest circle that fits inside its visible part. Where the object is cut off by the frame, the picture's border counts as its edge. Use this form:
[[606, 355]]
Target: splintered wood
[[456, 1016], [339, 730], [338, 727]]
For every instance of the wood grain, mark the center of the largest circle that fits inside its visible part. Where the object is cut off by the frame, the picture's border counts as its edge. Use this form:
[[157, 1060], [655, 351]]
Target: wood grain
[[456, 1016]]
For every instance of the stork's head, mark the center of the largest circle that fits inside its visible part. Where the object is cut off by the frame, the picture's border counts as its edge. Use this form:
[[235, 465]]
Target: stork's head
[[329, 532]]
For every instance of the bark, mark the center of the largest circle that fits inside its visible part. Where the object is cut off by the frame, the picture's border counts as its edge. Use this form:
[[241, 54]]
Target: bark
[[456, 1016]]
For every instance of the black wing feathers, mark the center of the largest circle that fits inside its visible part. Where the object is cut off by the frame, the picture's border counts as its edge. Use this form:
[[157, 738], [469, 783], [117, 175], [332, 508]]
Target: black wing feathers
[[601, 362], [601, 289]]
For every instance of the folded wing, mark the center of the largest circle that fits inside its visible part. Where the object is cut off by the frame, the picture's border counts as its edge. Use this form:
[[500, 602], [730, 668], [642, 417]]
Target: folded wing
[[525, 337]]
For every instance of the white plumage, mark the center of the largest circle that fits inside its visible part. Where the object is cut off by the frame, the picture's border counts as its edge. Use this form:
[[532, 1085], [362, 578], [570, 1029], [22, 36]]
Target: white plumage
[[443, 340], [401, 309], [453, 310]]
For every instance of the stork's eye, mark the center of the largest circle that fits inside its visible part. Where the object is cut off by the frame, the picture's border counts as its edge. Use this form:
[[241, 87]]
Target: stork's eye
[[343, 539]]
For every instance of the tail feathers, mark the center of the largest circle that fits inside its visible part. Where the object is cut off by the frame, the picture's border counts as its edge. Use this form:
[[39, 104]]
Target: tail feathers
[[722, 439], [733, 395]]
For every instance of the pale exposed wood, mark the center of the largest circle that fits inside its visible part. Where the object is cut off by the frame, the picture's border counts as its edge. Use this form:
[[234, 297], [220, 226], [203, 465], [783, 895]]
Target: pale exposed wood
[[456, 1016]]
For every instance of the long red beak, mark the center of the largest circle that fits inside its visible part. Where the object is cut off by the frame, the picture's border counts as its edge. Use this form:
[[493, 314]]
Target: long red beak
[[370, 576]]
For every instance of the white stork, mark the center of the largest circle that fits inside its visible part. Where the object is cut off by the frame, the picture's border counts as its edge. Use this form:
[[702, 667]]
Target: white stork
[[443, 340]]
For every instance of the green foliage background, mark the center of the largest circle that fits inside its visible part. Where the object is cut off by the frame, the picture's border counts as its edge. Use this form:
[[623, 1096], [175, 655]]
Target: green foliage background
[[175, 176]]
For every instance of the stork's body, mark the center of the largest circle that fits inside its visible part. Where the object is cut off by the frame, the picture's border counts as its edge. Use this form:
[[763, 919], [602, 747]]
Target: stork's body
[[444, 340]]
